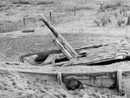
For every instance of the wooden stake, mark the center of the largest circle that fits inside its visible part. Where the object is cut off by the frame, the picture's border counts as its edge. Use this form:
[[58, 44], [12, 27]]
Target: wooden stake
[[101, 6], [59, 78], [74, 11], [62, 48], [50, 15], [119, 81], [24, 22], [102, 81]]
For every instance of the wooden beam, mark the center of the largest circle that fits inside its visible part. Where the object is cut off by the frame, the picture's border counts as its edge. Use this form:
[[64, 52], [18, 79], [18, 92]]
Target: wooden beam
[[119, 82], [28, 30], [60, 39], [50, 14], [59, 78], [62, 48]]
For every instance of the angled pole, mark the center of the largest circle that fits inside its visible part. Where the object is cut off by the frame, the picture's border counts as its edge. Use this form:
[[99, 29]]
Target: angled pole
[[62, 43]]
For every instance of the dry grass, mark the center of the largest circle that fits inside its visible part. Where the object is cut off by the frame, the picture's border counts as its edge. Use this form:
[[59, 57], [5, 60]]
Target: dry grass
[[116, 9], [102, 19], [9, 26]]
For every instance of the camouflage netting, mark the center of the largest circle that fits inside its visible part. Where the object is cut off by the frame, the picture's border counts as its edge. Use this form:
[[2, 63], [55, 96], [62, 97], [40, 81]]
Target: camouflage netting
[[15, 85]]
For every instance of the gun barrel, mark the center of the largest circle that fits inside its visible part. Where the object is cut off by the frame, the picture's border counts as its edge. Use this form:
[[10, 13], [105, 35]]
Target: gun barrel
[[60, 39]]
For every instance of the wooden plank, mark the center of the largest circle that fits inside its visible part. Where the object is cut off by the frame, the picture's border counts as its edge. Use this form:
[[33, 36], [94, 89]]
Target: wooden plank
[[64, 70], [95, 46], [62, 48], [59, 78], [28, 30], [50, 59], [68, 47], [86, 77], [119, 82]]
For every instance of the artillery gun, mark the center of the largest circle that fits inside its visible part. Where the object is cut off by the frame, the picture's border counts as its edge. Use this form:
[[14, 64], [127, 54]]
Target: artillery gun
[[67, 56], [67, 63]]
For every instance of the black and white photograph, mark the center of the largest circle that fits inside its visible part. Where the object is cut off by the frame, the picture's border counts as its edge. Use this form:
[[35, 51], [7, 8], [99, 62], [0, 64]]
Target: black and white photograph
[[64, 48]]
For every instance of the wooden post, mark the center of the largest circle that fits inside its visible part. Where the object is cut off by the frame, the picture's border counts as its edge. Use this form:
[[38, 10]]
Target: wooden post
[[74, 11], [59, 78], [24, 21], [119, 81], [62, 48], [50, 14], [60, 39], [101, 6], [102, 81], [68, 47]]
